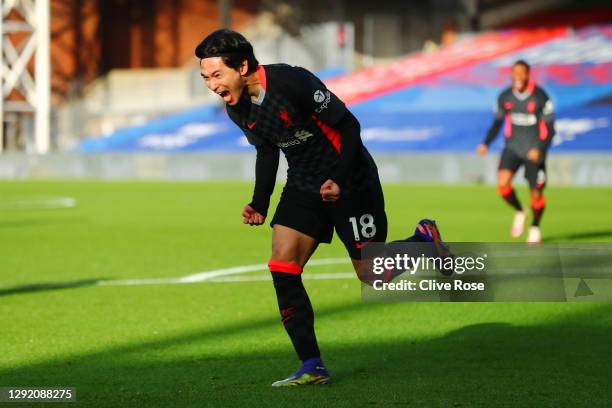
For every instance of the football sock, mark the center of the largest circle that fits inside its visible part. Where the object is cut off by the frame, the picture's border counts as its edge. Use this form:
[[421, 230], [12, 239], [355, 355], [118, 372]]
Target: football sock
[[507, 193], [537, 207], [295, 308], [312, 365]]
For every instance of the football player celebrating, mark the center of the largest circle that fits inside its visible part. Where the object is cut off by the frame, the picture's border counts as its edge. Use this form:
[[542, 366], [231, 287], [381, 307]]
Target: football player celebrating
[[332, 181]]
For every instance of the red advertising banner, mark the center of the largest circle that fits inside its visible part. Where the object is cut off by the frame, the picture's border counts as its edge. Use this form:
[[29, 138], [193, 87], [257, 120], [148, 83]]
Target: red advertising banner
[[378, 80]]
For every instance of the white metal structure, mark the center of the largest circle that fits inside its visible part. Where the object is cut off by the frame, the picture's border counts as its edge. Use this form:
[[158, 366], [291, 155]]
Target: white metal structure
[[25, 39]]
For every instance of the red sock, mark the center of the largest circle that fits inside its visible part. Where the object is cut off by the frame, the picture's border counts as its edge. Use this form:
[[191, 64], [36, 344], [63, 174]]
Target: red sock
[[507, 193]]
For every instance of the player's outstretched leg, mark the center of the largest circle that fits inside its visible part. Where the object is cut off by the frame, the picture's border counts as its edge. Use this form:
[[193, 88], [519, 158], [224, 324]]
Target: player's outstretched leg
[[538, 203], [426, 231]]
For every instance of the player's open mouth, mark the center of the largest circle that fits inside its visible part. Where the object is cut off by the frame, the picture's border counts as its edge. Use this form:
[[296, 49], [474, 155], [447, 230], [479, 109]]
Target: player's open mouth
[[225, 95]]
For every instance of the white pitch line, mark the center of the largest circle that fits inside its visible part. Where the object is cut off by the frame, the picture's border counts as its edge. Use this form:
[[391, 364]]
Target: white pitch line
[[314, 276], [38, 203], [203, 276], [218, 274]]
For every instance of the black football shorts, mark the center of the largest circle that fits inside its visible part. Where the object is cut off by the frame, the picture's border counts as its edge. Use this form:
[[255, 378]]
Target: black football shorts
[[358, 218], [535, 172]]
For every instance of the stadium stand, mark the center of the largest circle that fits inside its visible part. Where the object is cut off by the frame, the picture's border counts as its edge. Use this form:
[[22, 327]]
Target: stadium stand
[[440, 101]]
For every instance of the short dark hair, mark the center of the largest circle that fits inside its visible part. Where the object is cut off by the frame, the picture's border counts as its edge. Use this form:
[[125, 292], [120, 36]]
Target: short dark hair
[[523, 63], [231, 46]]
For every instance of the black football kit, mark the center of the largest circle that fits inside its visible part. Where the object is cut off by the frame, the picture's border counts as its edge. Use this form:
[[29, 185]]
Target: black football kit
[[528, 123], [295, 113]]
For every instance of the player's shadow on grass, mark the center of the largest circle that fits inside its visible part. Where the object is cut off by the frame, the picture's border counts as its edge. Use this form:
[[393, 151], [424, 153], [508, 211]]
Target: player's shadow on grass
[[555, 363], [578, 235], [44, 287]]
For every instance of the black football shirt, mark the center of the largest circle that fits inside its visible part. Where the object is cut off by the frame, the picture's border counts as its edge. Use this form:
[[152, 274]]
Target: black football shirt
[[527, 118], [297, 114]]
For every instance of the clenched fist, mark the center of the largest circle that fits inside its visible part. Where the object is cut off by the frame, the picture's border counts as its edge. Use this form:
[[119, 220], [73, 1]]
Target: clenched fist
[[251, 216], [330, 191]]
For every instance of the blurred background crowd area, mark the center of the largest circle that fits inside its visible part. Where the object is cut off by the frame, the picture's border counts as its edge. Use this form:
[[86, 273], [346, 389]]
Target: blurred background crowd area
[[420, 75]]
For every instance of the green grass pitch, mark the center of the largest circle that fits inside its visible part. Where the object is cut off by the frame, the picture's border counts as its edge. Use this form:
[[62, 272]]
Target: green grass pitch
[[221, 343]]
